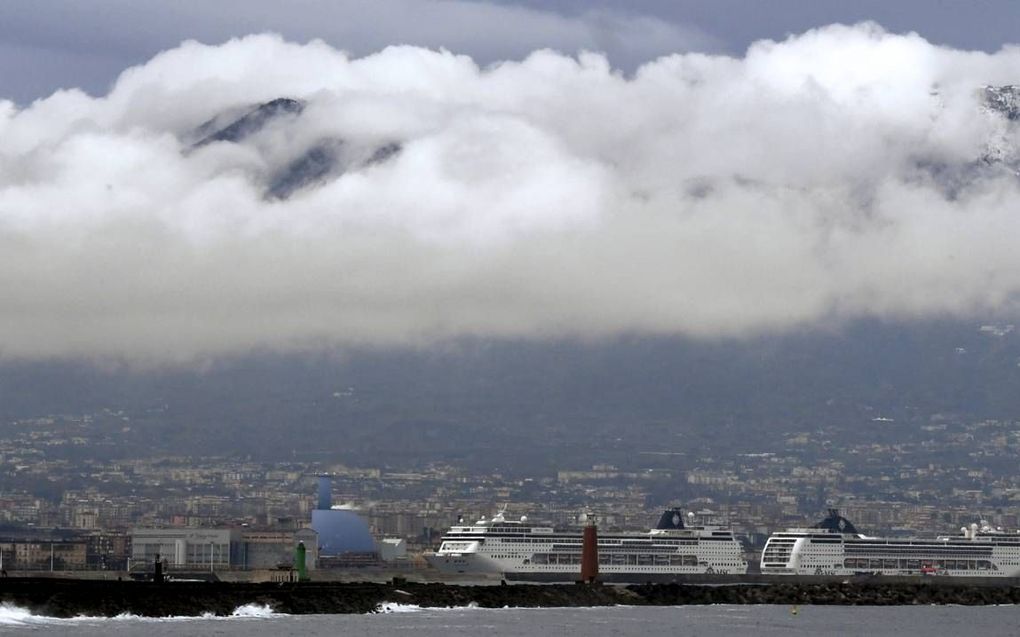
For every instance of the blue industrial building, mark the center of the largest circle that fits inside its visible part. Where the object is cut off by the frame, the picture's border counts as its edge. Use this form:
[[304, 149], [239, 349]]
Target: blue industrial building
[[340, 530]]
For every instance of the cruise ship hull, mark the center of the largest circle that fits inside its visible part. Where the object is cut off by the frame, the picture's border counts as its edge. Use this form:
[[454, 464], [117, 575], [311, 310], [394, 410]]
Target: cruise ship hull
[[757, 579], [519, 551], [833, 547], [479, 565], [628, 578], [717, 579]]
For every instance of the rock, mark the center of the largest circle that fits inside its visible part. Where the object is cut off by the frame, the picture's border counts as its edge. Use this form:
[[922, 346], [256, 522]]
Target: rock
[[69, 598]]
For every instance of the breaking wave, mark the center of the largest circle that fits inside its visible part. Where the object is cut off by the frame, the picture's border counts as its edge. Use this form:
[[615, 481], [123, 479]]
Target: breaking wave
[[254, 611], [15, 616], [395, 607], [12, 615]]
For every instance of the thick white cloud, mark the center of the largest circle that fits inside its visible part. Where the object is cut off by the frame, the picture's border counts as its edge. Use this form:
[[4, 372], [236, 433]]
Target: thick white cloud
[[839, 174]]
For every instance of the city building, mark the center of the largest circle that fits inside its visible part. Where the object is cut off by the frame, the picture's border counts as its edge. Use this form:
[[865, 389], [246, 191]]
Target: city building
[[187, 548], [342, 532], [392, 549], [275, 549]]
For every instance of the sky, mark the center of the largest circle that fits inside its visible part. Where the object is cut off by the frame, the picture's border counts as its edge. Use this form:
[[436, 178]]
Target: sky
[[50, 44], [555, 170]]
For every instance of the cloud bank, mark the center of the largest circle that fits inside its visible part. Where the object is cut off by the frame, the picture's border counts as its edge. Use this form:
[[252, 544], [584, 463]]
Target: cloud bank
[[843, 173]]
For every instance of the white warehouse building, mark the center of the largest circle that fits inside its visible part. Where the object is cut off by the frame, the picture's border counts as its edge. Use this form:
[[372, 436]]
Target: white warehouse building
[[193, 548]]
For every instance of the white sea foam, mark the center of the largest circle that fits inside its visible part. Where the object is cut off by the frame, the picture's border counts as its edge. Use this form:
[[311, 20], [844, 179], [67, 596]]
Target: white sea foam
[[470, 606], [393, 607], [11, 615], [254, 611]]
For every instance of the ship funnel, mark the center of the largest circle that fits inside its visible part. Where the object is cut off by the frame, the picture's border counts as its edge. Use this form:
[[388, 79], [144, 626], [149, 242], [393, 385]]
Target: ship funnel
[[671, 519], [325, 495], [836, 523]]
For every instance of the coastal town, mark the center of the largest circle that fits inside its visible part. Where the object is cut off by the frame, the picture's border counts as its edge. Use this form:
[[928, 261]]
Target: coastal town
[[955, 474]]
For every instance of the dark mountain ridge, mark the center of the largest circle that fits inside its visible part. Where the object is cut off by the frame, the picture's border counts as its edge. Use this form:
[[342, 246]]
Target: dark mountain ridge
[[322, 160], [538, 404]]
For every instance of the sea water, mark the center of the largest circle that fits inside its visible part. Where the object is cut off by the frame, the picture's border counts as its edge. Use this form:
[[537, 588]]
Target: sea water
[[621, 621]]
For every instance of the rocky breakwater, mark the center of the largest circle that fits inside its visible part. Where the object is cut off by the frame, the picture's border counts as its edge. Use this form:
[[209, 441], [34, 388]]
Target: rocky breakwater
[[830, 593], [70, 598], [73, 598]]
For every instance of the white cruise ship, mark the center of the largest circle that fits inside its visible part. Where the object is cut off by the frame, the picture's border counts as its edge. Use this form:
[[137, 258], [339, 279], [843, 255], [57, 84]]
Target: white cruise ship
[[834, 547], [518, 550]]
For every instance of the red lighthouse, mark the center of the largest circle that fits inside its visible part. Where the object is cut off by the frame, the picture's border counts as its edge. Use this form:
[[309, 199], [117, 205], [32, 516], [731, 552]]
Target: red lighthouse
[[589, 552]]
